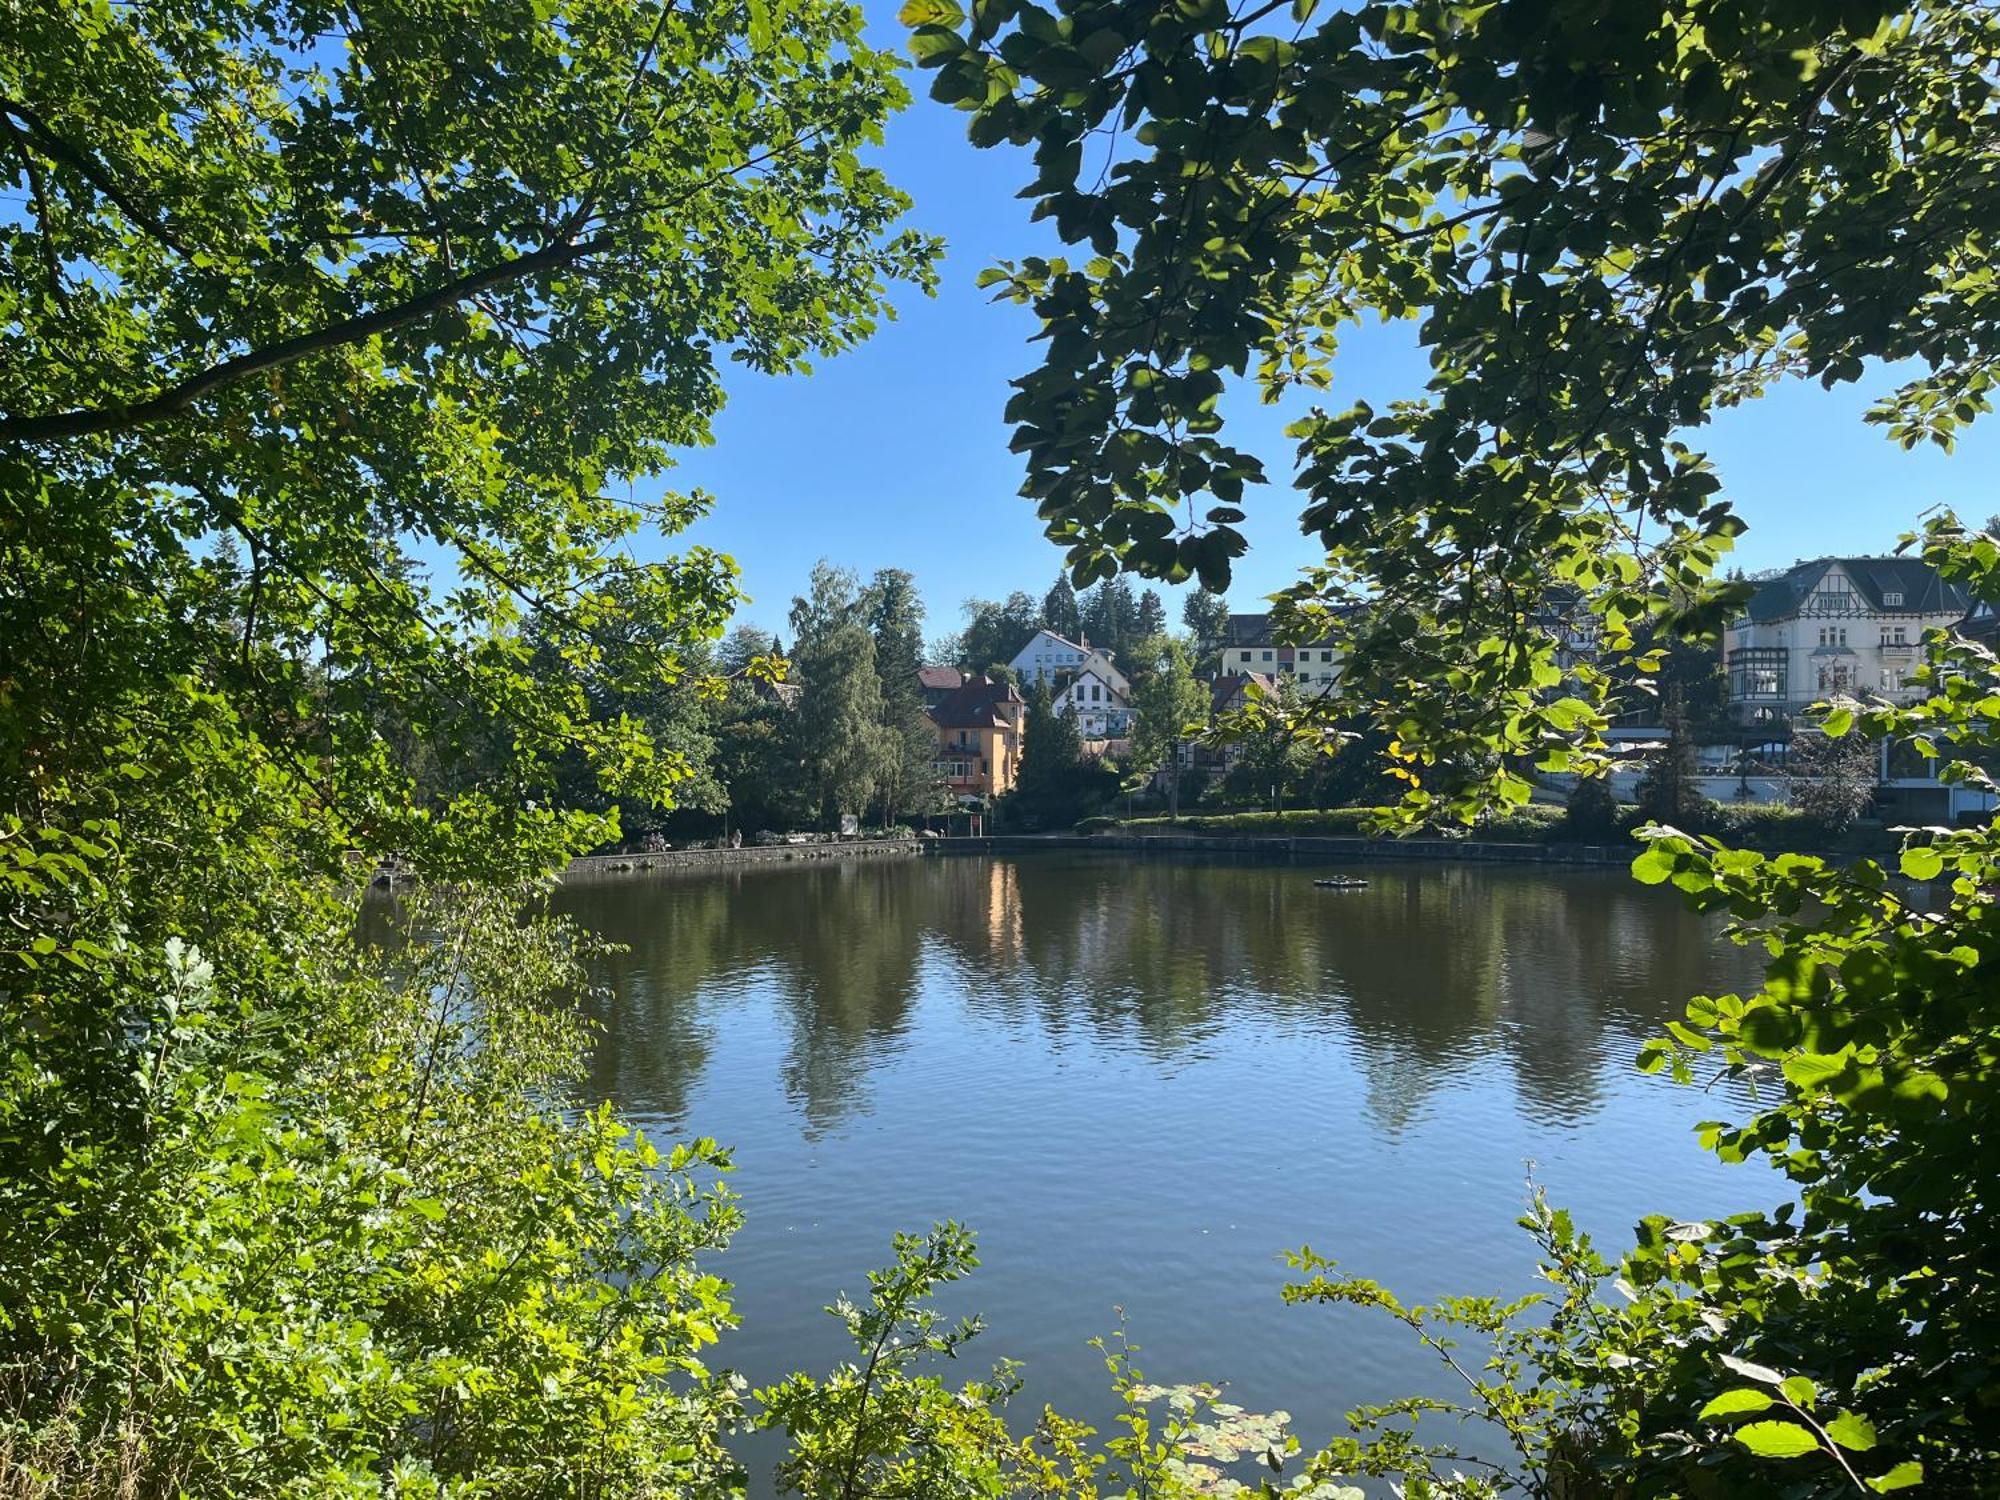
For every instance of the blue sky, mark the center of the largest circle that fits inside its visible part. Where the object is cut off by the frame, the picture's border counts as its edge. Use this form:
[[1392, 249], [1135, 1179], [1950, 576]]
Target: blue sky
[[895, 455]]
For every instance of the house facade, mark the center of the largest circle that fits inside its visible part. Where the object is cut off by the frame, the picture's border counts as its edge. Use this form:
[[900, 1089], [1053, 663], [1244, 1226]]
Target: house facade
[[1227, 694], [1247, 648], [1051, 658], [1096, 699], [1082, 681], [1849, 626], [979, 728]]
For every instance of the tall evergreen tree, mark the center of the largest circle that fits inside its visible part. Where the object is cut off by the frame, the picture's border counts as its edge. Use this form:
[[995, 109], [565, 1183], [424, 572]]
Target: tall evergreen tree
[[1151, 616], [1059, 609], [895, 615], [1053, 780], [1206, 617], [1111, 616]]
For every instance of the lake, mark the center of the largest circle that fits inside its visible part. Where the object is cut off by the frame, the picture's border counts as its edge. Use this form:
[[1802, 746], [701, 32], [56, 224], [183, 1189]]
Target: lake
[[1141, 1080]]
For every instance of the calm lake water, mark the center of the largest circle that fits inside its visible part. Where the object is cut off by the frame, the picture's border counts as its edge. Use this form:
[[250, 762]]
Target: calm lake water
[[1141, 1081]]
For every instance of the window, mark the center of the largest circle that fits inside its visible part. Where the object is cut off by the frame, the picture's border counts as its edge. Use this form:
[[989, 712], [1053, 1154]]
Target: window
[[1893, 601], [1267, 656], [1834, 595], [1892, 679], [1895, 635], [1326, 656], [1759, 672], [1833, 635]]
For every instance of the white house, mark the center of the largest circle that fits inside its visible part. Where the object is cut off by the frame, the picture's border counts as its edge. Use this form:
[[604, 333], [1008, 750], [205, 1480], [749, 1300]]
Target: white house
[[1098, 697], [1835, 625], [1247, 647], [1054, 659], [1083, 681]]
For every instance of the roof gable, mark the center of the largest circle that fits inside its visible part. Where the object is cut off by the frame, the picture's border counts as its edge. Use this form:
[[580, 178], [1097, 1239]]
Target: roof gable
[[1885, 585]]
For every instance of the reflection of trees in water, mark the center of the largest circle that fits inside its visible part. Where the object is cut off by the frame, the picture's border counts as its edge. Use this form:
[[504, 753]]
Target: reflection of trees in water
[[1557, 975], [847, 948], [1427, 970], [837, 942], [656, 1037]]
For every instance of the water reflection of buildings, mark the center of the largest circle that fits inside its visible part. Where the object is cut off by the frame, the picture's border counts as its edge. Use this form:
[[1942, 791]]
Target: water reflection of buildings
[[1554, 977]]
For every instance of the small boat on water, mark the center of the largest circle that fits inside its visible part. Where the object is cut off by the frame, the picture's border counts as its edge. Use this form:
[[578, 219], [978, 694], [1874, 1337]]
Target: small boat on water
[[1342, 883]]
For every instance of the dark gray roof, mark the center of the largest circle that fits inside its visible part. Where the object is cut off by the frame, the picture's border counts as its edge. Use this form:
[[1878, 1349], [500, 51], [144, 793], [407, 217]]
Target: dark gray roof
[[1252, 630], [1923, 591], [981, 703]]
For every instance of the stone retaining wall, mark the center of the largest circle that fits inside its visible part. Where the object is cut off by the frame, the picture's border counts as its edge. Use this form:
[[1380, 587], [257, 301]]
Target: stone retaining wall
[[1329, 849]]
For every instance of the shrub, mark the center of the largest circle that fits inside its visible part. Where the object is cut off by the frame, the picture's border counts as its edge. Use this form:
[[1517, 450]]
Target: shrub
[[1592, 813], [353, 1240]]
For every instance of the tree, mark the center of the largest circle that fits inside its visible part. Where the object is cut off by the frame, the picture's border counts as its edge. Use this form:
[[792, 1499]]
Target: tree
[[995, 633], [895, 611], [837, 731], [1832, 780], [1274, 761], [1600, 232], [1059, 610], [758, 762], [742, 646], [360, 287], [1057, 785], [1206, 617], [674, 706], [1590, 813], [1151, 616], [1110, 616], [1171, 704]]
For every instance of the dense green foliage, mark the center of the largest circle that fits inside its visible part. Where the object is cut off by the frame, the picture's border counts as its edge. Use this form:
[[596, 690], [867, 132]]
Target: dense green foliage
[[1602, 225], [1172, 705], [1057, 785], [376, 1254], [334, 339]]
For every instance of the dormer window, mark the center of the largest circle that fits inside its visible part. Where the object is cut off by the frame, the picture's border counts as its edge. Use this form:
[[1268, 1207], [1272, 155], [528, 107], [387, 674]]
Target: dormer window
[[1893, 601]]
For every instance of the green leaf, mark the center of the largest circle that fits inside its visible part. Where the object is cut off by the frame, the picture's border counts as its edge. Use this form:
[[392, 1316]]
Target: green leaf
[[1907, 1473], [1762, 1374], [1852, 1431], [1800, 1391], [1922, 863], [1737, 1403], [1776, 1439], [1653, 866], [1814, 1070], [1838, 722], [931, 13]]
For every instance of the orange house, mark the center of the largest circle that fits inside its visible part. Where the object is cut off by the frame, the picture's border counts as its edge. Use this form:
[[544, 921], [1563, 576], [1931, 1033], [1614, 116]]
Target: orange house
[[979, 737]]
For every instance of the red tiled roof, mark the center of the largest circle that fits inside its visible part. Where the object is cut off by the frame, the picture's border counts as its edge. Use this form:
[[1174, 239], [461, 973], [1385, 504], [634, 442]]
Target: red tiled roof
[[941, 679]]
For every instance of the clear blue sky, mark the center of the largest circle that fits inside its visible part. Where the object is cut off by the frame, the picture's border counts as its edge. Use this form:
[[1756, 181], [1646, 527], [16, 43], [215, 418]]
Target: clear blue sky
[[895, 455]]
